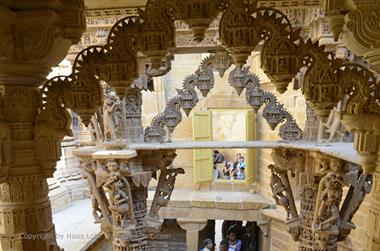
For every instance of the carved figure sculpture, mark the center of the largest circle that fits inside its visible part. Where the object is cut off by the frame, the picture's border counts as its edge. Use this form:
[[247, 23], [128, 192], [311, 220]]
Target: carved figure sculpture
[[119, 196], [111, 116], [326, 220]]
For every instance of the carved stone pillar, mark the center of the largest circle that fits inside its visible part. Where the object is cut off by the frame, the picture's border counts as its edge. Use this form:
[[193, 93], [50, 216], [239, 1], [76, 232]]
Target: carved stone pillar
[[33, 40], [122, 185], [308, 198], [192, 228], [323, 220], [133, 112], [25, 210], [373, 232]]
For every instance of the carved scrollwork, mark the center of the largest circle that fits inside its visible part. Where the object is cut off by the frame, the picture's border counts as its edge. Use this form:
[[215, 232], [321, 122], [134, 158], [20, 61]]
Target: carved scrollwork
[[156, 131], [290, 129], [273, 111], [254, 95], [187, 95], [157, 30], [172, 114], [321, 82], [279, 54], [205, 80], [52, 123], [239, 78], [283, 195], [363, 25]]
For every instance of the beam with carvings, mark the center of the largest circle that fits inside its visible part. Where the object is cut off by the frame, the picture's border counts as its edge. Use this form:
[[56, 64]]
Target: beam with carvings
[[307, 15]]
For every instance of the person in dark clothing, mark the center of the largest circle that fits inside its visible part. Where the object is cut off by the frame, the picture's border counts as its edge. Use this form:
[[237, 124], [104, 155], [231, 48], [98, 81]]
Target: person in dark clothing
[[217, 158], [223, 246]]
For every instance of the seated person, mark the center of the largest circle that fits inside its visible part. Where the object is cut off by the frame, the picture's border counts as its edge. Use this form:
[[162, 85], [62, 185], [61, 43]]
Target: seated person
[[241, 174], [241, 162], [227, 170]]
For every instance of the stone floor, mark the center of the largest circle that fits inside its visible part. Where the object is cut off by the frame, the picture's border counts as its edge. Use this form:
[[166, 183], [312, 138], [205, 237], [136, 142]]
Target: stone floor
[[75, 225]]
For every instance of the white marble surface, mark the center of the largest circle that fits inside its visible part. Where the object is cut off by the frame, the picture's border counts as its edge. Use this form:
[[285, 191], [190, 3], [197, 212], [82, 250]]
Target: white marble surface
[[75, 225], [342, 150]]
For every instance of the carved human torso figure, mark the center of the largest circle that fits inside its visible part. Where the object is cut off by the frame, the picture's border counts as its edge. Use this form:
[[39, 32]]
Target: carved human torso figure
[[327, 216], [111, 115]]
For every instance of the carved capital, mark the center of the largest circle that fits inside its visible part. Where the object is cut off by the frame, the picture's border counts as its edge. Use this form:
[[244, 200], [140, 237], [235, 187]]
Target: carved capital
[[361, 32], [192, 225], [39, 36], [264, 225]]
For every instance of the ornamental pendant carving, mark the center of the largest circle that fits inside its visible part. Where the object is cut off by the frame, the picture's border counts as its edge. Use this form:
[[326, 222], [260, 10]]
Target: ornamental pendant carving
[[157, 31], [321, 85], [273, 111], [237, 32]]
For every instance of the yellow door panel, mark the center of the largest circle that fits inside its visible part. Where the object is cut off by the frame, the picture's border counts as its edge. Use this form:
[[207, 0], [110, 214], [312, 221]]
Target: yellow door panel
[[202, 131]]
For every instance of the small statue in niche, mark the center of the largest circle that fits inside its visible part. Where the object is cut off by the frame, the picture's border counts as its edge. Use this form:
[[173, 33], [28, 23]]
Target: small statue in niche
[[112, 115]]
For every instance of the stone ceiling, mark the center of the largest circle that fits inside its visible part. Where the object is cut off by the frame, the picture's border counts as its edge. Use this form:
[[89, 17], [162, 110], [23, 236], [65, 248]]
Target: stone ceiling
[[111, 4]]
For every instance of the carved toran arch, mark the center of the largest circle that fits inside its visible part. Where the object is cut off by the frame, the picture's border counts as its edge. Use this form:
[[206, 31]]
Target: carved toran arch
[[239, 78], [242, 27]]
